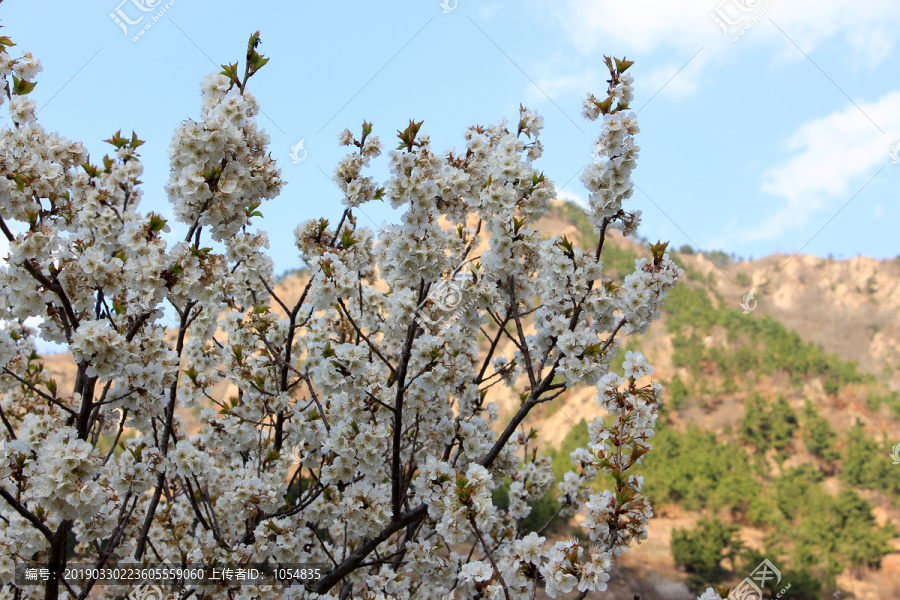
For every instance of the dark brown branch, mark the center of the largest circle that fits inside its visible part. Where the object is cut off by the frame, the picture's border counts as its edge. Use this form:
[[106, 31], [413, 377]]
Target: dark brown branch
[[39, 392], [369, 342], [523, 344], [27, 514], [396, 474], [7, 424], [112, 543], [167, 432], [136, 326], [189, 492], [490, 353], [355, 558], [118, 435], [490, 556]]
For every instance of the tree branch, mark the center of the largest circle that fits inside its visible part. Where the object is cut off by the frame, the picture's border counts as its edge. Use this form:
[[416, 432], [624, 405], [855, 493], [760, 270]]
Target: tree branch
[[27, 514], [355, 558], [490, 556]]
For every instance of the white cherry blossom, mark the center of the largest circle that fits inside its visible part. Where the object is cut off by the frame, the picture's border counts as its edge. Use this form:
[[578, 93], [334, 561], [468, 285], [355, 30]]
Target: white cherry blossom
[[215, 418]]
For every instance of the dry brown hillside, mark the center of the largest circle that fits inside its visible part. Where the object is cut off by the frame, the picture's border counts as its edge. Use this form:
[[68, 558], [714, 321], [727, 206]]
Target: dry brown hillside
[[849, 307]]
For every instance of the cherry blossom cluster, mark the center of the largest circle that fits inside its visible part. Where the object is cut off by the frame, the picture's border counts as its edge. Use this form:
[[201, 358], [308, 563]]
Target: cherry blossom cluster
[[219, 417], [608, 178], [616, 517]]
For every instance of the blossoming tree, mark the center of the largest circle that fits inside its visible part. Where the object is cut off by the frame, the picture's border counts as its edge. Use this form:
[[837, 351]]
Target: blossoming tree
[[361, 436]]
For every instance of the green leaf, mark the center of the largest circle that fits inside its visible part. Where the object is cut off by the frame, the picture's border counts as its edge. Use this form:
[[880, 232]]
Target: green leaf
[[658, 249], [230, 71], [117, 140], [201, 252], [408, 135], [347, 239], [254, 42], [21, 180], [609, 64], [605, 106], [22, 87], [89, 168], [593, 349], [135, 142], [622, 65], [157, 223]]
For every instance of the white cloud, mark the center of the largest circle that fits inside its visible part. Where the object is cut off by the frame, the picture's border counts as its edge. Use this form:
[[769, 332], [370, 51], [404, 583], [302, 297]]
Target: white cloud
[[561, 75], [870, 28], [869, 32], [671, 80], [648, 25], [642, 26], [570, 196], [875, 46], [832, 157], [579, 81]]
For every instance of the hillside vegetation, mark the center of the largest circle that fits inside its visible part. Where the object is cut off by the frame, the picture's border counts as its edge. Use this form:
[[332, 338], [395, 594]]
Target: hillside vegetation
[[774, 444]]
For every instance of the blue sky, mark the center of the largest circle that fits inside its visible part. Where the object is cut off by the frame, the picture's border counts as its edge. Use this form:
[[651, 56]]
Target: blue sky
[[775, 141]]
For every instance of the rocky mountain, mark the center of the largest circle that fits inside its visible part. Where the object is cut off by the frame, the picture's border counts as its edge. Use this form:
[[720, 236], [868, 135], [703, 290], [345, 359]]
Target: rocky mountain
[[779, 366]]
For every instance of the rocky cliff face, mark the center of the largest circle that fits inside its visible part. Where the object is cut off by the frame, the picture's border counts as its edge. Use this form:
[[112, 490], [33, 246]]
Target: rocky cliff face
[[848, 307]]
